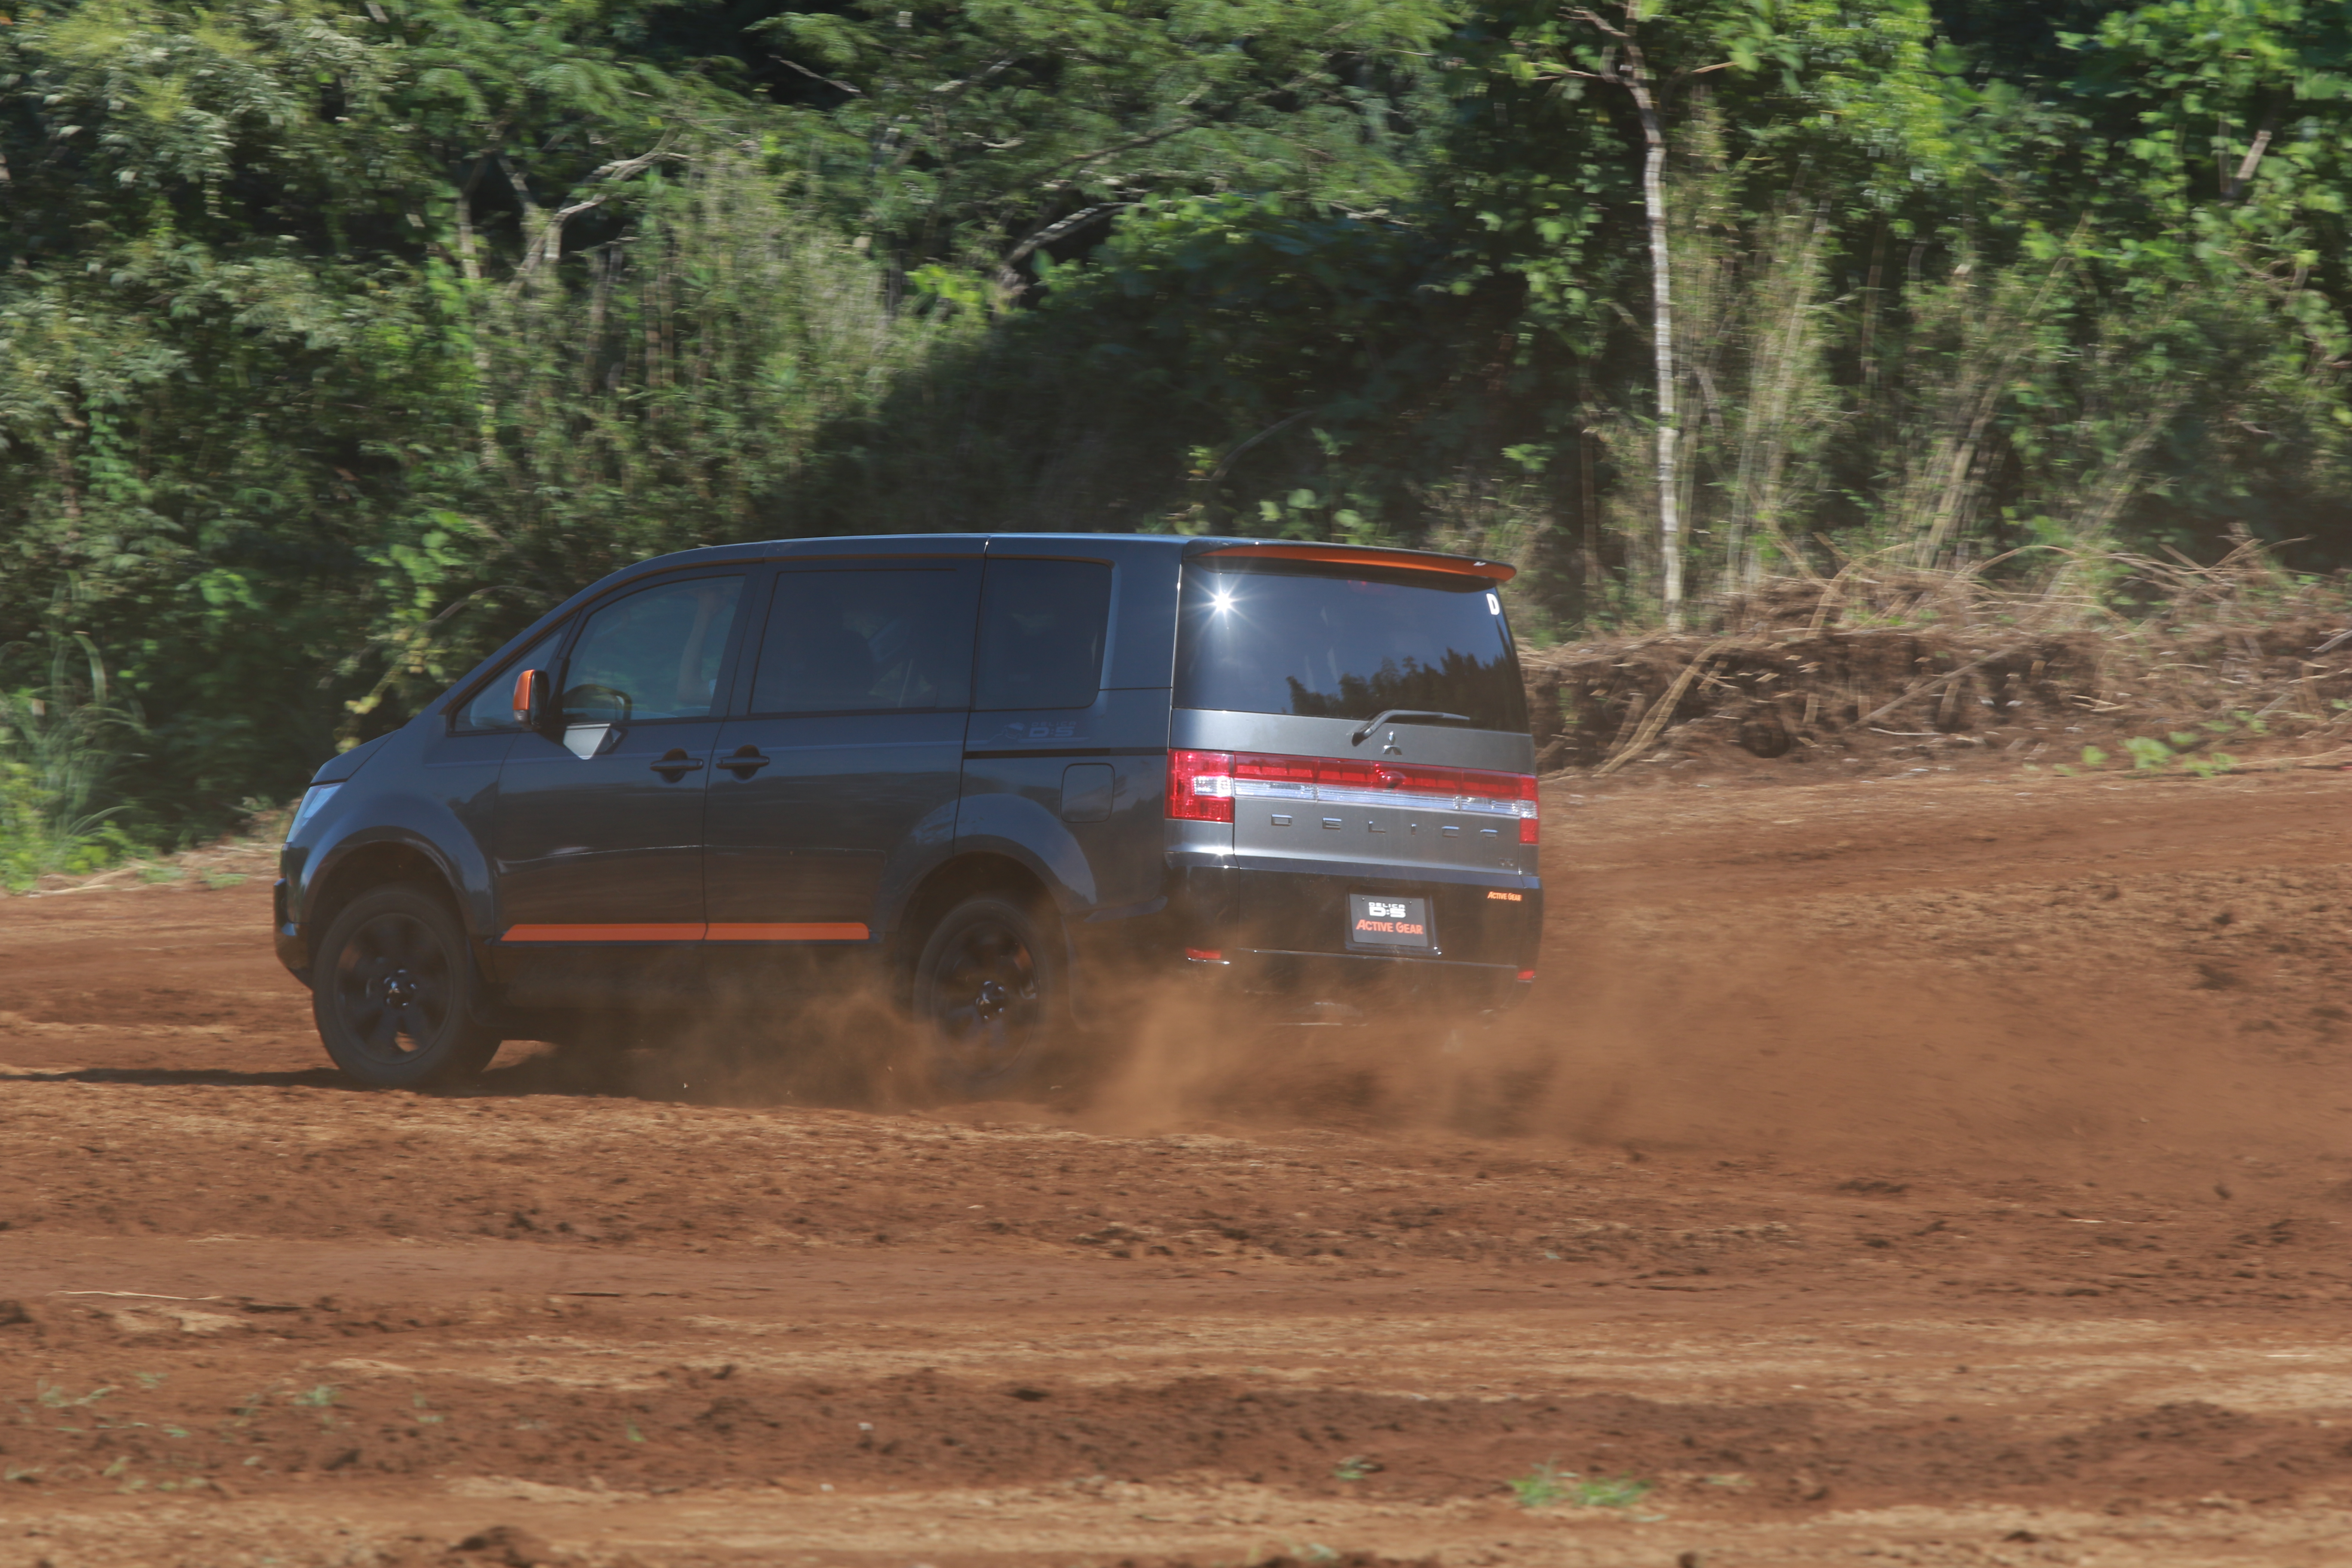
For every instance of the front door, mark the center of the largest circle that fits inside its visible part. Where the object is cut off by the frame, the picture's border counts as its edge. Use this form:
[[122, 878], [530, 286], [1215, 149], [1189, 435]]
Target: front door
[[600, 814], [840, 784]]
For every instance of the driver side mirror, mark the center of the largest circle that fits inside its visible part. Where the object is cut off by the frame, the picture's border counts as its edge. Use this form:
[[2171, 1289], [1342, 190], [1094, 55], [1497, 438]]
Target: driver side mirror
[[531, 689]]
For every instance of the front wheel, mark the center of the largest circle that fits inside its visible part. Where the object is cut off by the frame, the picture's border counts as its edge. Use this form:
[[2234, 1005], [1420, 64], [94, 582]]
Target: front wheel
[[988, 997], [395, 996]]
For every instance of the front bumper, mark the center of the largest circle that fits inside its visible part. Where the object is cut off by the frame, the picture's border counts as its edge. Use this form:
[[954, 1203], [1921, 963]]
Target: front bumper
[[293, 952]]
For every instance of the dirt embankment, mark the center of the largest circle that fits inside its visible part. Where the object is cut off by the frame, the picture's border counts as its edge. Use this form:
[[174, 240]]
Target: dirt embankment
[[2229, 666], [1934, 1168]]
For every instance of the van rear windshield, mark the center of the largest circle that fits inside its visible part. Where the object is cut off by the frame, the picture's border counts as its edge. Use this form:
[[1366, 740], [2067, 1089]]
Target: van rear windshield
[[1278, 636]]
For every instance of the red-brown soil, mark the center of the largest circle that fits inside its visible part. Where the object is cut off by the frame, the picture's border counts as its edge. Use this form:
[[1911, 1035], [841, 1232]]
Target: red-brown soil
[[1928, 1169]]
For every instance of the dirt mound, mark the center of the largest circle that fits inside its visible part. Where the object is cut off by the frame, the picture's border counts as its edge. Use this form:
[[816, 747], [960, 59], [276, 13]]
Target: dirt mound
[[2239, 658], [1772, 698]]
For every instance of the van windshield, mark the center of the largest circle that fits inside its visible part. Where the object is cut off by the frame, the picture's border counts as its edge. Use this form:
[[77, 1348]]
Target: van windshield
[[1323, 642]]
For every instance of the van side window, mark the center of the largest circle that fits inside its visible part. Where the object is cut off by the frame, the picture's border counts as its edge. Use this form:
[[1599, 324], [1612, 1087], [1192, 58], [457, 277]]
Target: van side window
[[1042, 629], [492, 706], [867, 641], [653, 654]]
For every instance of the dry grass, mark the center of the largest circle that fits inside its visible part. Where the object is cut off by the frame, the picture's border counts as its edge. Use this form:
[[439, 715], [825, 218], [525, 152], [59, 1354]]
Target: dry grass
[[2106, 644]]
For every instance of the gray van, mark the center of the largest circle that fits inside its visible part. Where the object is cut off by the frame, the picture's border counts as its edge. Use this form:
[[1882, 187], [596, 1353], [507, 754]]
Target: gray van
[[997, 775]]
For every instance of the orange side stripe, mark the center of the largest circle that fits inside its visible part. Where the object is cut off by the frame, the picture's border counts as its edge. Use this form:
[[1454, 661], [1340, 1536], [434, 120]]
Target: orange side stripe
[[605, 933], [821, 930]]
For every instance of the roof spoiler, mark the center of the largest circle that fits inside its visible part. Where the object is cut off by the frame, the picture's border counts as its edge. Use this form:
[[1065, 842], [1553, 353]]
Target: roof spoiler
[[1495, 571]]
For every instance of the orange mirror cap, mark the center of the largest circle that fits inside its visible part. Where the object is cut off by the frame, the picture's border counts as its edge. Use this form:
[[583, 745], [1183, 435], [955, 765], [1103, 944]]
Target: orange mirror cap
[[529, 696]]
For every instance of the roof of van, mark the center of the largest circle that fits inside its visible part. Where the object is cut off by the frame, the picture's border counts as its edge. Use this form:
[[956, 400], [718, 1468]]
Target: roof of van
[[1236, 546]]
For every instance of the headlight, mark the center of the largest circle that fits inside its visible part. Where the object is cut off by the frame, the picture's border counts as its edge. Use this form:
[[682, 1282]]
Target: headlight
[[315, 796]]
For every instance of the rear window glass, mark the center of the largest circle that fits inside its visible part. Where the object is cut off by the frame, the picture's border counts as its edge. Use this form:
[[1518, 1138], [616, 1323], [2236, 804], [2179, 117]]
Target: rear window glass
[[1042, 626], [1325, 643]]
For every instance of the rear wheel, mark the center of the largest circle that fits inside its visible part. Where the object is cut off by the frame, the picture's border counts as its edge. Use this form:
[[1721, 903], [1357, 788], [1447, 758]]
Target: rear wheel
[[395, 996], [988, 997]]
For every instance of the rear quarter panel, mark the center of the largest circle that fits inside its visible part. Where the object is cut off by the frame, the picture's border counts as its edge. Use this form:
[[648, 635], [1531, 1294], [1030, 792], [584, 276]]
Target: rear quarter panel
[[1017, 762]]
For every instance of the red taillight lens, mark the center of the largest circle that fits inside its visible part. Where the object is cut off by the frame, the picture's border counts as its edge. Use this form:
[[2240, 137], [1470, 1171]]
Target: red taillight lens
[[1206, 954], [1282, 770], [1200, 787], [1527, 977]]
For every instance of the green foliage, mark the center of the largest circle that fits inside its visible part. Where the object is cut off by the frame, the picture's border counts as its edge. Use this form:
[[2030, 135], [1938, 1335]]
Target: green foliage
[[1546, 1486], [54, 1397], [985, 130], [32, 847], [336, 341], [1610, 1492], [2182, 752], [61, 746]]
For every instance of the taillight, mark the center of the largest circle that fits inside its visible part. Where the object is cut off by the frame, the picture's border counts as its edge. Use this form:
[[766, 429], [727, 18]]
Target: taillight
[[1200, 787], [1203, 785]]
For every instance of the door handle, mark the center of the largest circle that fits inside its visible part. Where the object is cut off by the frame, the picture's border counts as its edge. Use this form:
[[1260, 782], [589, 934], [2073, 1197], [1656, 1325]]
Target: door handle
[[746, 762], [677, 765]]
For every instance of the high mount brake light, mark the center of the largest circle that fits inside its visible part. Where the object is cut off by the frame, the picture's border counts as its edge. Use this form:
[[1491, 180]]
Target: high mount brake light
[[1343, 555], [1203, 785]]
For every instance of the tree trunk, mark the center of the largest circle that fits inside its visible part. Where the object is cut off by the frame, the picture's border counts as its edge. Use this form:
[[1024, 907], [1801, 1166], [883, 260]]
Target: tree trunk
[[1661, 333]]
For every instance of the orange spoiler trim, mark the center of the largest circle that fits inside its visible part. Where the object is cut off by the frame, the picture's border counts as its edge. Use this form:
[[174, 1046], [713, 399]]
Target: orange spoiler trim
[[1354, 555]]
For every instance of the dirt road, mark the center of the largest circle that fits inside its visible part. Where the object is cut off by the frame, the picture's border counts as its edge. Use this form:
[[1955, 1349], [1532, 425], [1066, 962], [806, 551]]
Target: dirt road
[[1929, 1169]]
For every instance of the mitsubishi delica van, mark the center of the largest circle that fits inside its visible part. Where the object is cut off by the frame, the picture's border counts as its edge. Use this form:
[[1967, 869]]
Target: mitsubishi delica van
[[1001, 777]]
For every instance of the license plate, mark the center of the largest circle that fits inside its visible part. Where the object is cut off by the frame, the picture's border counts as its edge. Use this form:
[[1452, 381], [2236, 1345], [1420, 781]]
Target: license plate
[[1376, 921]]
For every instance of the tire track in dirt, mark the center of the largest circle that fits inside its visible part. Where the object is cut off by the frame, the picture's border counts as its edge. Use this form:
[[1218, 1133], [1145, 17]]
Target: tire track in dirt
[[1917, 1169]]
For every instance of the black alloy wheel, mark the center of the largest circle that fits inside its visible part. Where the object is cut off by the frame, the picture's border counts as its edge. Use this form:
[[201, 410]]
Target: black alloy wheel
[[987, 991], [394, 994]]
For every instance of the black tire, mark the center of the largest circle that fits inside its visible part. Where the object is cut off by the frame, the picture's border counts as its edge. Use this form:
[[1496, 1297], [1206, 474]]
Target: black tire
[[394, 994], [988, 998]]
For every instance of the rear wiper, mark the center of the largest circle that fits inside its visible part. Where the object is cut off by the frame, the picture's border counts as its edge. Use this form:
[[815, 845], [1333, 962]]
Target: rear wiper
[[1394, 713]]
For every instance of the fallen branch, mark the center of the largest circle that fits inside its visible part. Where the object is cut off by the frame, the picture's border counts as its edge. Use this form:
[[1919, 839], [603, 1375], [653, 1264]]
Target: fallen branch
[[1927, 686], [1663, 711]]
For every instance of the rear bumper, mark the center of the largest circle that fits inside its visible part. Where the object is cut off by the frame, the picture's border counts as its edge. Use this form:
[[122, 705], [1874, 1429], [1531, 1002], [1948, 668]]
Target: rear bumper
[[1345, 987], [1280, 930]]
